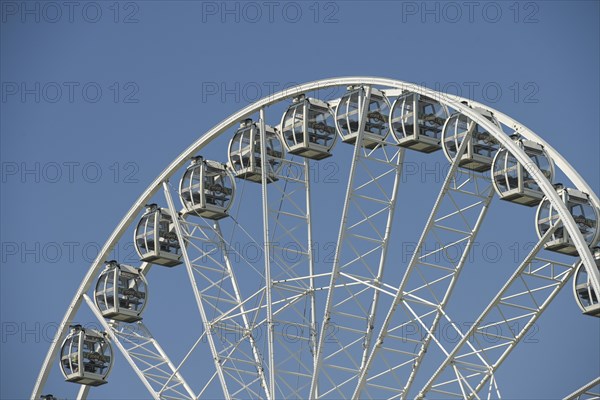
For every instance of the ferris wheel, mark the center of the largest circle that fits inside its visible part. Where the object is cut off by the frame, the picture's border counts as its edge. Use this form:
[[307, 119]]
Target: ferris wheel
[[284, 322]]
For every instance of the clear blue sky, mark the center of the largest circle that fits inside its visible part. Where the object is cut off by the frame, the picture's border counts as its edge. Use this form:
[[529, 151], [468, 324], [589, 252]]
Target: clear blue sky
[[98, 97]]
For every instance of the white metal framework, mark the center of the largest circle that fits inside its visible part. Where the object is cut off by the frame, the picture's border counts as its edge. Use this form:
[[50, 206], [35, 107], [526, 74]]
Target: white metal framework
[[427, 283], [590, 391], [285, 325], [359, 261]]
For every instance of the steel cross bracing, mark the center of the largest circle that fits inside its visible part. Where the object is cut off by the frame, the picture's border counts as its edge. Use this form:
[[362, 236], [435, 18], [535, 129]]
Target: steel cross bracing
[[292, 281], [357, 273], [146, 357], [451, 101], [427, 283], [289, 299], [590, 391], [500, 327], [266, 169], [231, 338]]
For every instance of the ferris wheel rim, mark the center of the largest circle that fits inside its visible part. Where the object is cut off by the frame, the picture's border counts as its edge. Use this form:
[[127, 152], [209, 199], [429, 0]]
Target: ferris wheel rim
[[458, 103]]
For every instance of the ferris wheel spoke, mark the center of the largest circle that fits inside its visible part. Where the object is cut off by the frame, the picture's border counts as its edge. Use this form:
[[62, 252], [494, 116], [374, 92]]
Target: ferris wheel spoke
[[503, 324], [83, 392], [455, 219], [207, 385], [589, 391], [263, 334], [289, 273], [145, 356], [357, 273], [236, 336], [265, 171]]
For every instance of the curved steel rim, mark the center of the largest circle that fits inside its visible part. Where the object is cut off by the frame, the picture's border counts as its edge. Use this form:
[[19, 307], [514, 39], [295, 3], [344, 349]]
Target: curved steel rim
[[452, 101]]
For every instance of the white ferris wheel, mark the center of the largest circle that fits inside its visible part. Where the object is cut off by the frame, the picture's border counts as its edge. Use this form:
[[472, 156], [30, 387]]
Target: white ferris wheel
[[279, 324]]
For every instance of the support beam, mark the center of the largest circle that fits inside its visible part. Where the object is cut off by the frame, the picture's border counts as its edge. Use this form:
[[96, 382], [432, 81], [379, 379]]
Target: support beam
[[145, 356], [500, 327], [427, 284], [358, 270], [589, 391], [236, 354]]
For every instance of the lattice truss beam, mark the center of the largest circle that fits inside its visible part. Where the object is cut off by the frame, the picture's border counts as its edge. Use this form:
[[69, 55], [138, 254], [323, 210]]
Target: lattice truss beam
[[427, 284], [590, 391], [235, 324], [147, 358], [500, 327], [357, 274], [231, 329], [292, 282], [354, 354]]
